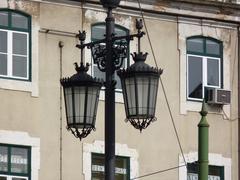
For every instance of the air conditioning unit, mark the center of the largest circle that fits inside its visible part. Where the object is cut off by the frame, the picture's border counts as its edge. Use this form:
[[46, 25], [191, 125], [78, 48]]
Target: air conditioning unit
[[218, 96]]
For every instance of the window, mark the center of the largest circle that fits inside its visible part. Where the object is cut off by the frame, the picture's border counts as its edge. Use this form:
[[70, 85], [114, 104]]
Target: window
[[15, 162], [215, 172], [204, 66], [122, 170], [98, 32], [15, 45]]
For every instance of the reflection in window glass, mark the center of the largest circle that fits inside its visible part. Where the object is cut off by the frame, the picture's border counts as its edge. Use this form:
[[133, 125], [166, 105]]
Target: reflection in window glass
[[19, 66], [3, 18], [204, 66], [15, 178], [3, 41], [19, 21], [195, 45], [213, 72], [3, 64], [212, 47], [121, 169], [14, 45], [215, 172], [20, 43], [98, 33], [3, 159], [19, 160], [194, 77]]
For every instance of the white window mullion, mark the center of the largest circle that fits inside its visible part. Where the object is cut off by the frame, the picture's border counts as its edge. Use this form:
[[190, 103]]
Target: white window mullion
[[204, 74], [220, 73], [10, 53]]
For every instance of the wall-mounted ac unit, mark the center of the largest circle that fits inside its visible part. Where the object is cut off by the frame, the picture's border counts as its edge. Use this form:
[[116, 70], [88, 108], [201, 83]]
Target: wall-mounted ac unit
[[218, 96]]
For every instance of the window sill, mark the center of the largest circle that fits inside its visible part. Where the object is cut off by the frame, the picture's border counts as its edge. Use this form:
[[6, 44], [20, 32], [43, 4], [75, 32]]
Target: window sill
[[17, 85], [196, 106]]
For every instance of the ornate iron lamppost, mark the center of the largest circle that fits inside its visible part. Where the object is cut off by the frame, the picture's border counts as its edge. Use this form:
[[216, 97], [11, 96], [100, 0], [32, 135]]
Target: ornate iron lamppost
[[139, 83]]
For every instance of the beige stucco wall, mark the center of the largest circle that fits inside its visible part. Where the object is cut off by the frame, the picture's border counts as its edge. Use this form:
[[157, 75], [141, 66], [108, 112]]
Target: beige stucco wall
[[41, 116]]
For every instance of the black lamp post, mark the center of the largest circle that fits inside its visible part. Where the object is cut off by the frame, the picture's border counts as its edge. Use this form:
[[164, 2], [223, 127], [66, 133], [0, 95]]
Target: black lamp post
[[139, 83]]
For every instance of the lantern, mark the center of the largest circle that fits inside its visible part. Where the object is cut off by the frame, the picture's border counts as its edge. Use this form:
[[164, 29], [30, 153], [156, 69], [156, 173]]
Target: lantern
[[140, 87], [81, 93]]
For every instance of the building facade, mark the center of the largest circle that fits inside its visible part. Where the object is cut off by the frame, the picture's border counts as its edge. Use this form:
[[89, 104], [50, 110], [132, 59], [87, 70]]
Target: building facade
[[195, 42]]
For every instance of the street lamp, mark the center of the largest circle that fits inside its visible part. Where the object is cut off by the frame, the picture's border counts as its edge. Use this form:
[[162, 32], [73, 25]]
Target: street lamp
[[139, 83]]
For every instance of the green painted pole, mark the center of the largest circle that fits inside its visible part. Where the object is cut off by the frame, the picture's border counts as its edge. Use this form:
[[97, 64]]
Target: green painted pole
[[203, 127]]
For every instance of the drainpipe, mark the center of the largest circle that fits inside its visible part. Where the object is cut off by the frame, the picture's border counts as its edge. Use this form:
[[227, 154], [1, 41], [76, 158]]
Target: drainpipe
[[238, 102], [203, 136]]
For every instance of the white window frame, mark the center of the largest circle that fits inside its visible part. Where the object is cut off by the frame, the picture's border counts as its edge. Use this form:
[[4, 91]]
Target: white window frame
[[10, 54], [23, 139], [121, 150], [214, 160], [9, 177], [204, 74]]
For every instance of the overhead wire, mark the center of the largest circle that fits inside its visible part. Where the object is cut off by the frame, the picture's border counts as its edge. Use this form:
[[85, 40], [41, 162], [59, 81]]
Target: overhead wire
[[165, 95]]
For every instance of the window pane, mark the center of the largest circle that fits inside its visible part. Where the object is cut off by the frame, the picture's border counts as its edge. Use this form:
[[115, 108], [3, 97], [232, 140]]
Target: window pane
[[195, 77], [3, 64], [20, 43], [3, 178], [215, 172], [212, 47], [213, 72], [3, 159], [195, 45], [4, 18], [121, 169], [19, 21], [19, 66], [19, 160], [3, 41], [98, 32], [15, 178], [98, 73]]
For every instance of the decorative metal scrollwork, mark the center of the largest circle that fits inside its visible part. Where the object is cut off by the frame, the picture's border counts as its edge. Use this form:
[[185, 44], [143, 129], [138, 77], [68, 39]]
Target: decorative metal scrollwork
[[99, 53], [120, 52]]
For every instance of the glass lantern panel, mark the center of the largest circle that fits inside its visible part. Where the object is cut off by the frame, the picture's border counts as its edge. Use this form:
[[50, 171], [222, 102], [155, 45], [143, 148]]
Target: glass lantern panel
[[3, 159], [96, 104], [130, 91], [153, 95], [142, 90], [69, 104], [90, 104], [93, 101], [19, 160], [79, 102]]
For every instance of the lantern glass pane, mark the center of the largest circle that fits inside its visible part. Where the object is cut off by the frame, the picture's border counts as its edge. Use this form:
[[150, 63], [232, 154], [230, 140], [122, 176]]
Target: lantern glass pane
[[153, 95], [79, 101], [92, 98], [69, 105], [142, 91], [130, 91]]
